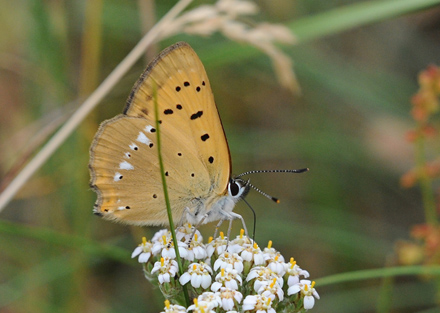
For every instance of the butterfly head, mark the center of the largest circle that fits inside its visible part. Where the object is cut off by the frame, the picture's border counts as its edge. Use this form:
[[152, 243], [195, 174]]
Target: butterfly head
[[238, 188]]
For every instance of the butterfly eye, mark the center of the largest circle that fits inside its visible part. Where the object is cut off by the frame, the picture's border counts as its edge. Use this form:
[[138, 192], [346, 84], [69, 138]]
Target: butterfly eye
[[234, 188], [238, 188]]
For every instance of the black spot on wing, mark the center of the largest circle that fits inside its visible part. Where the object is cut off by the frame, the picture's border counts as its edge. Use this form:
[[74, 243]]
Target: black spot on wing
[[205, 137], [196, 115], [168, 111], [211, 159]]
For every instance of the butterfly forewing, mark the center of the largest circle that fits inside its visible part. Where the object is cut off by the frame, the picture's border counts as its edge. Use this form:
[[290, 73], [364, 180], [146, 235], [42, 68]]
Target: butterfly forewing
[[124, 160], [186, 105]]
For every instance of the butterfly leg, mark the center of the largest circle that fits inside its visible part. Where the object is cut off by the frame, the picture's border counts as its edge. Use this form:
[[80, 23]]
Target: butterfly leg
[[218, 227], [193, 217], [238, 216]]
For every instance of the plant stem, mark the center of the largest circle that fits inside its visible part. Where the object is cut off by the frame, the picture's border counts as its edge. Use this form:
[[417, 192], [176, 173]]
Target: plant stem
[[165, 193], [424, 179]]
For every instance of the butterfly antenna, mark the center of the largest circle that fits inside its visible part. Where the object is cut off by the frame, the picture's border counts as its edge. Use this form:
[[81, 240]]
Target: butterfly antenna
[[302, 170], [255, 219], [276, 200]]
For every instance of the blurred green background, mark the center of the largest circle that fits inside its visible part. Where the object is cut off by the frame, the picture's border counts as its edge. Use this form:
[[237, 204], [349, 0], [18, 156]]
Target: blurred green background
[[348, 127]]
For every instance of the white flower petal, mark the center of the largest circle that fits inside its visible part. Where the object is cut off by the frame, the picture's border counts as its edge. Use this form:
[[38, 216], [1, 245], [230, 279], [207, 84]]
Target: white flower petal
[[252, 275], [215, 286], [137, 251], [232, 284], [315, 293], [238, 266], [169, 253], [227, 304], [280, 294], [309, 302], [238, 296], [185, 278], [304, 273], [293, 289], [249, 303], [293, 280], [144, 257], [206, 281], [196, 280]]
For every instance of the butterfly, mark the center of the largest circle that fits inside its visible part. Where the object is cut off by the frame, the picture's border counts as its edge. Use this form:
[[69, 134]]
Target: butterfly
[[124, 165]]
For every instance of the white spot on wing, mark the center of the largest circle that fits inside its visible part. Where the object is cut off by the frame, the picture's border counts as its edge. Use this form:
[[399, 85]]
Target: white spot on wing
[[148, 128], [133, 146], [117, 176], [121, 208], [142, 138], [126, 166]]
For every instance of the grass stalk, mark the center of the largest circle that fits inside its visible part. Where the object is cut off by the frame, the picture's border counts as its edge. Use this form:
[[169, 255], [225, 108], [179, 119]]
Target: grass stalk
[[165, 193], [89, 104]]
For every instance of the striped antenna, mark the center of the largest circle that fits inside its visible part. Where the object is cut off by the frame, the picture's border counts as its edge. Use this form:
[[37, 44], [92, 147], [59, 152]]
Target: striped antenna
[[302, 170], [264, 194], [276, 200]]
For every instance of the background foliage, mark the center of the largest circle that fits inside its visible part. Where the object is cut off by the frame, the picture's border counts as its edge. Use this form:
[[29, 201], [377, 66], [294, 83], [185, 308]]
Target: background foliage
[[357, 64]]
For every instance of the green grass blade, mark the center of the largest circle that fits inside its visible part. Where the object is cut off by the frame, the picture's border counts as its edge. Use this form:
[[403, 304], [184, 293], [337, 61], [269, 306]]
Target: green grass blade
[[378, 273], [351, 16]]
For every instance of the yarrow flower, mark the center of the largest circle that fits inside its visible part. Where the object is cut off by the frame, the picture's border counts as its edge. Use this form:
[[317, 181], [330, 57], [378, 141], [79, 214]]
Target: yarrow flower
[[229, 298], [307, 290], [253, 254], [196, 249], [230, 260], [224, 276], [198, 274], [218, 245], [258, 303], [173, 308], [293, 271], [143, 251], [167, 268], [201, 307], [227, 277]]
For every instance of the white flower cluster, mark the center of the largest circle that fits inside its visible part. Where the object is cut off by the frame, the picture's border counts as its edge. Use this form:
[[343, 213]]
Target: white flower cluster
[[224, 276]]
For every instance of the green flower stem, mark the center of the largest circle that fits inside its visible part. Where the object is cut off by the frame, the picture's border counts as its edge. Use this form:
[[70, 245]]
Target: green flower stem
[[165, 192], [425, 181], [379, 273]]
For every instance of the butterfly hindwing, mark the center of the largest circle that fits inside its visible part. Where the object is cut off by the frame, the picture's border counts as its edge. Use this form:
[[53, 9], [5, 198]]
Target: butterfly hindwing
[[124, 161]]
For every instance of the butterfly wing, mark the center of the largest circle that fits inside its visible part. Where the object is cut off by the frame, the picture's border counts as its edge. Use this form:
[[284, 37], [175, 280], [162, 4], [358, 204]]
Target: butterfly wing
[[124, 161]]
